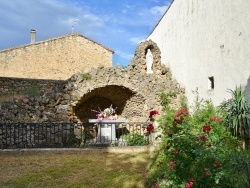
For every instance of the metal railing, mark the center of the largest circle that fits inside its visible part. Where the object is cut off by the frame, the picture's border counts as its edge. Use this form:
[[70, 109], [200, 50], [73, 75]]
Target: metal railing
[[55, 135]]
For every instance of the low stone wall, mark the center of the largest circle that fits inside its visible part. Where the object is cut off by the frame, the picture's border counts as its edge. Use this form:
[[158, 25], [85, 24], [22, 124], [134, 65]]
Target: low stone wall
[[25, 86], [29, 100]]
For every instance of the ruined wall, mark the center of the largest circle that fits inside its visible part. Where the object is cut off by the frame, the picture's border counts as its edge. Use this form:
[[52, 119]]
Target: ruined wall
[[29, 100], [131, 89], [58, 58], [24, 86]]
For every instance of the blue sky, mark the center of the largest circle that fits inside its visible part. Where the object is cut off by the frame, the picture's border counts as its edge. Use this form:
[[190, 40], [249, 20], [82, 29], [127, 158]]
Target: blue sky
[[117, 24]]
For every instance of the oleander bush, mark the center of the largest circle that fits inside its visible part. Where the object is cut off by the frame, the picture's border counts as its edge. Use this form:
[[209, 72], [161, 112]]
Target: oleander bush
[[198, 150]]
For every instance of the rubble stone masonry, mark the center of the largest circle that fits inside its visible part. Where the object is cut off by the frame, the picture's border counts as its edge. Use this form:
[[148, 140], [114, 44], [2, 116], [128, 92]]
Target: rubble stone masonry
[[132, 90]]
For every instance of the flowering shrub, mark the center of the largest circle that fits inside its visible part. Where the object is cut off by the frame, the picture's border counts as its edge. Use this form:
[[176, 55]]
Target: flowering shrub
[[138, 138], [200, 155], [218, 119], [150, 128], [182, 112], [206, 128], [180, 115], [152, 114], [190, 183]]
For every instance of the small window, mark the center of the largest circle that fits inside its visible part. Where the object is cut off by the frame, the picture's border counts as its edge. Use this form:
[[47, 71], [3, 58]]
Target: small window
[[210, 83]]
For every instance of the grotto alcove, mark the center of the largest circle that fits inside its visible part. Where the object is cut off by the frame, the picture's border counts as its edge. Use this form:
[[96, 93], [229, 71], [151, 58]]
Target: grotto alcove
[[101, 98]]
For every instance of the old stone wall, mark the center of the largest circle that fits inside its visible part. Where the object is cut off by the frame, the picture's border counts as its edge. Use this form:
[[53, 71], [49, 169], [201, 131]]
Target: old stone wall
[[58, 58], [24, 86], [133, 91], [29, 100]]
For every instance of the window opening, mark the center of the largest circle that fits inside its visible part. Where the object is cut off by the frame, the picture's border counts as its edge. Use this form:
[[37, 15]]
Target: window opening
[[210, 82]]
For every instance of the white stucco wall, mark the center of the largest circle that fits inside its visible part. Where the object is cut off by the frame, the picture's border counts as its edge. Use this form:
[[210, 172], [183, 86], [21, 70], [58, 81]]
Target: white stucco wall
[[203, 38]]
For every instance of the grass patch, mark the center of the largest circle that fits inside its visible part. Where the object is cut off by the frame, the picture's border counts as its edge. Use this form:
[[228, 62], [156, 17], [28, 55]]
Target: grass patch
[[86, 76], [74, 169]]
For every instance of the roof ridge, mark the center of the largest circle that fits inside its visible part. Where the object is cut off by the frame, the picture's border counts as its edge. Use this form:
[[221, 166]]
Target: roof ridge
[[55, 38]]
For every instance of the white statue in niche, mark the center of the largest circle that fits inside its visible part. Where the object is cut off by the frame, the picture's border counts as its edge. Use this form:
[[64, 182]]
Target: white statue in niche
[[149, 61]]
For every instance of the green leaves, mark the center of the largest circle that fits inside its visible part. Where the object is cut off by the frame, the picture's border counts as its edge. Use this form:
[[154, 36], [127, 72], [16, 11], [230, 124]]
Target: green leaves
[[238, 114], [198, 146]]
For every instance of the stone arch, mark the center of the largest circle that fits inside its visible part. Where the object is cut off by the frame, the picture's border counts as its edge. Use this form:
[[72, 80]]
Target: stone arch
[[119, 96], [130, 89], [139, 60], [151, 47]]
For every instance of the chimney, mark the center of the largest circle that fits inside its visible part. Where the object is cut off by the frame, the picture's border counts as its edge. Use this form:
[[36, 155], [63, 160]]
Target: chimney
[[32, 36]]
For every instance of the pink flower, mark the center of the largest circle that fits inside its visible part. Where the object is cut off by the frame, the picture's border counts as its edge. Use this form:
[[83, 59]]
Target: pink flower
[[150, 128], [178, 120], [212, 119], [182, 111], [153, 113], [207, 172], [217, 164], [171, 165], [191, 180], [218, 119], [156, 186], [203, 137], [189, 185], [180, 116], [176, 152], [206, 128]]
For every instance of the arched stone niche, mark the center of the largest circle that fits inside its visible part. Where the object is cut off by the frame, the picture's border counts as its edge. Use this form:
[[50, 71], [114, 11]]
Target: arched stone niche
[[139, 60], [128, 104]]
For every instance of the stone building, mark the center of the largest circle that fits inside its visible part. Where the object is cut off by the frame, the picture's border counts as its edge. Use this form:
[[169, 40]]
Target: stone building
[[56, 58], [206, 46]]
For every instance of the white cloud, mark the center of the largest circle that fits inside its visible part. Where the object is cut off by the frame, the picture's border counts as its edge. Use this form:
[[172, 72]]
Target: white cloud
[[126, 7], [124, 55], [151, 15], [137, 40], [50, 18], [158, 10]]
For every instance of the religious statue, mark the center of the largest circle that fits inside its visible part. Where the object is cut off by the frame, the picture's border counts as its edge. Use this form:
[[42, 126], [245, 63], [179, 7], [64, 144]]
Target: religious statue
[[149, 61]]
